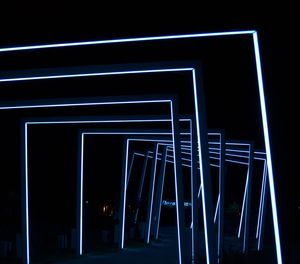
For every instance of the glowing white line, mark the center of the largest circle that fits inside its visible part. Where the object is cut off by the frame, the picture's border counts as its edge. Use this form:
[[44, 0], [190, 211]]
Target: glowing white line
[[81, 104], [26, 195], [207, 249], [176, 187], [125, 40], [267, 147], [81, 193]]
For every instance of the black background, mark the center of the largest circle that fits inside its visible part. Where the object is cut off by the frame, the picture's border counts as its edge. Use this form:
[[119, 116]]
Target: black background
[[276, 27]]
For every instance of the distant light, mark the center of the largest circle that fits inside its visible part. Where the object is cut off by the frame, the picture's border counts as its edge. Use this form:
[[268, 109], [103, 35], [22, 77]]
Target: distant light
[[86, 202], [173, 203]]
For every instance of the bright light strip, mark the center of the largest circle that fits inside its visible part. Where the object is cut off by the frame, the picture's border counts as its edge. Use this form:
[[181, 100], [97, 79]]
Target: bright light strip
[[261, 93], [26, 195], [261, 198], [46, 77], [32, 106], [261, 215], [267, 147], [125, 40], [217, 207], [207, 249], [81, 192], [96, 121], [152, 195], [243, 207], [237, 143], [124, 196], [176, 187]]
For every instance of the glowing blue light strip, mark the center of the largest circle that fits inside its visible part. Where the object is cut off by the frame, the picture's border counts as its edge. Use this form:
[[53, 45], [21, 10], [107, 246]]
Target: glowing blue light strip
[[32, 106], [261, 226], [261, 198], [207, 249], [125, 40], [267, 147], [151, 195], [130, 167], [141, 185], [62, 76], [237, 144], [81, 192], [96, 121], [160, 190], [243, 206], [176, 187], [124, 195], [217, 209], [26, 196]]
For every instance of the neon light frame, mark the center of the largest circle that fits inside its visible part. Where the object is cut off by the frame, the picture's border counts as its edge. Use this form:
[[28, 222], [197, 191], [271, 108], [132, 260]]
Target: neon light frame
[[91, 121], [96, 132], [245, 155], [207, 223], [261, 96], [112, 132], [25, 183]]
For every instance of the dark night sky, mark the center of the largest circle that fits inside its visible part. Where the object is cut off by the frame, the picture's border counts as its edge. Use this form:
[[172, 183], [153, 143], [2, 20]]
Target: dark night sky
[[275, 28]]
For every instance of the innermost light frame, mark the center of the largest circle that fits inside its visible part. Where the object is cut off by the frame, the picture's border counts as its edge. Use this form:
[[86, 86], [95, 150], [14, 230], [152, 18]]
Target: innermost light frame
[[197, 113]]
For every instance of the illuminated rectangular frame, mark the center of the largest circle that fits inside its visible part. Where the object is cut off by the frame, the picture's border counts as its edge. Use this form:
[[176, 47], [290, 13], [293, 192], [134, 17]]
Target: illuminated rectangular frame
[[208, 231], [180, 227], [174, 129], [257, 155], [210, 257], [71, 104]]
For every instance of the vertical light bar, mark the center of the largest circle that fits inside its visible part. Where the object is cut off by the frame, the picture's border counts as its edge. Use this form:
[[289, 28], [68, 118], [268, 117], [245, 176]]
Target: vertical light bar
[[194, 192], [248, 201], [221, 196], [139, 196], [217, 209], [263, 213], [27, 257], [243, 206], [267, 146], [263, 182], [206, 204], [151, 194], [160, 190], [81, 193], [178, 184], [123, 196], [130, 167]]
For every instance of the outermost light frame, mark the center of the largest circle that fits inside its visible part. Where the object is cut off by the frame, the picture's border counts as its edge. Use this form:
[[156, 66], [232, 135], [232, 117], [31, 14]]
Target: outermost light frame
[[261, 95]]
